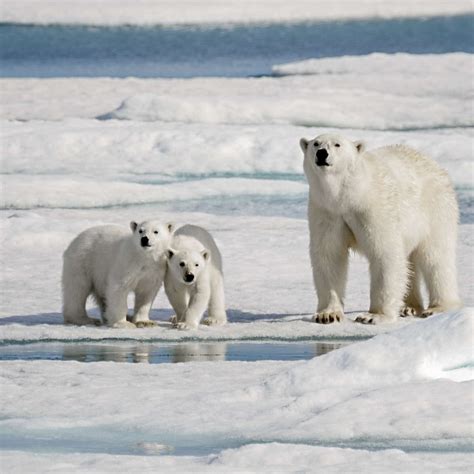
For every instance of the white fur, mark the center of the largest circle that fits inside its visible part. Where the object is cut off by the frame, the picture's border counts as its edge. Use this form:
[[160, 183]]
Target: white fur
[[109, 262], [194, 252], [395, 206]]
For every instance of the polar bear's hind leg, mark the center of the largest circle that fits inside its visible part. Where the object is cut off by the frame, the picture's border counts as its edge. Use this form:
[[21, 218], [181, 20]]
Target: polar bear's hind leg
[[439, 270], [76, 290], [413, 301], [216, 310]]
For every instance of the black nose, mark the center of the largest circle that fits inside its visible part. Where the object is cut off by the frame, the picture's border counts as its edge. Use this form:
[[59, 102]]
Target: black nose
[[144, 241], [188, 277], [321, 156]]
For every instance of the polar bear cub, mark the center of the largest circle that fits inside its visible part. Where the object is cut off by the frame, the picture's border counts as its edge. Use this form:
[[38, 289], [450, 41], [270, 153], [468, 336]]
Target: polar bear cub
[[108, 262], [394, 205], [194, 280]]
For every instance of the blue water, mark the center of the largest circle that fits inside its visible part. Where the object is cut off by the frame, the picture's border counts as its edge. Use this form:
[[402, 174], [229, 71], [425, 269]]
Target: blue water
[[61, 51], [154, 353], [114, 440]]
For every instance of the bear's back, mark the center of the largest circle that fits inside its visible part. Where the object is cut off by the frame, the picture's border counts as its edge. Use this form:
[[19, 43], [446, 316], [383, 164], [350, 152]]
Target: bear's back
[[95, 250], [404, 158], [204, 238]]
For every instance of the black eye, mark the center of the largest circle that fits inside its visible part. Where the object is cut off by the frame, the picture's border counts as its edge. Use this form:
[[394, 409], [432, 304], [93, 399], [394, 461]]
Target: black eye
[[197, 264], [316, 143], [140, 231], [182, 264], [337, 145], [155, 232]]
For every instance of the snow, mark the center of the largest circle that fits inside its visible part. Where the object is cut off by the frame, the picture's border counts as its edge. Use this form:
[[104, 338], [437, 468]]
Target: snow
[[269, 457], [223, 153], [261, 303], [327, 411], [69, 192], [379, 63], [202, 12], [331, 98]]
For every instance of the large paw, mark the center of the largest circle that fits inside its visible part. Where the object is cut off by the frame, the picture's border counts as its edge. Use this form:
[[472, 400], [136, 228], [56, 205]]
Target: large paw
[[374, 318], [145, 324], [328, 317], [174, 320], [123, 324], [213, 321], [83, 322], [91, 322], [184, 326], [430, 311], [410, 311]]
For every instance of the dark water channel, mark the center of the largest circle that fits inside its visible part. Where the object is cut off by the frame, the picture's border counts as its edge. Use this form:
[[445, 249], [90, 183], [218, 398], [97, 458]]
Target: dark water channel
[[226, 51], [161, 353]]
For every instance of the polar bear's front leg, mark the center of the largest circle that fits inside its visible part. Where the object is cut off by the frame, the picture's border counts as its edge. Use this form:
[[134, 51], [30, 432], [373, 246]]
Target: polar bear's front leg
[[143, 303], [178, 299], [197, 305], [116, 310], [329, 251]]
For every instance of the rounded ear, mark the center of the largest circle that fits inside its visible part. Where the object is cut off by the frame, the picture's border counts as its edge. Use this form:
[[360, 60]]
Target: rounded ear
[[304, 144], [170, 253], [133, 226], [171, 227], [205, 254], [360, 145]]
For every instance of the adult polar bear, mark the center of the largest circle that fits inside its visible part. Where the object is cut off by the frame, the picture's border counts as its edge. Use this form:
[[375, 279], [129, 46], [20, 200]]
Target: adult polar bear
[[395, 206], [109, 262]]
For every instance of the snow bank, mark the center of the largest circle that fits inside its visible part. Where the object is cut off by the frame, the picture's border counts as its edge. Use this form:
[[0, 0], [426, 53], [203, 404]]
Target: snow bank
[[34, 191], [439, 348], [339, 96], [91, 164], [409, 390], [388, 86], [184, 12], [324, 107], [264, 458], [380, 63], [148, 153]]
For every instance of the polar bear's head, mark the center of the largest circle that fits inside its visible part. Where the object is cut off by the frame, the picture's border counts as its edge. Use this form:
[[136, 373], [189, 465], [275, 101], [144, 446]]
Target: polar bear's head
[[329, 153], [152, 236], [185, 264]]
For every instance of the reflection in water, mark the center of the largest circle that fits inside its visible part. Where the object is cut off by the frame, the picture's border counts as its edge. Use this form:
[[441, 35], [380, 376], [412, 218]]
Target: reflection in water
[[156, 353], [192, 352], [322, 348], [145, 352]]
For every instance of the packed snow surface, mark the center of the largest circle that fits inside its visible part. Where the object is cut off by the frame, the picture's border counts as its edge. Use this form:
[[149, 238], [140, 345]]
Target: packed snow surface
[[407, 390]]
